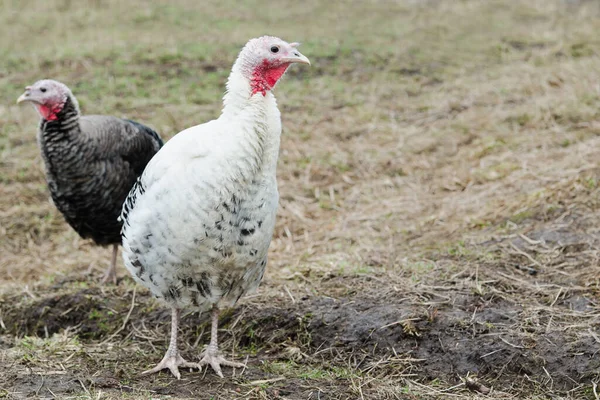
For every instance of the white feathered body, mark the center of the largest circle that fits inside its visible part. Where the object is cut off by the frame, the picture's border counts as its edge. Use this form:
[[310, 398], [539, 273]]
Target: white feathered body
[[198, 224]]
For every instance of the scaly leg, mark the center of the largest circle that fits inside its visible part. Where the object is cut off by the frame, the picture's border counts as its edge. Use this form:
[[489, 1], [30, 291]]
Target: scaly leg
[[172, 360], [111, 273], [211, 354]]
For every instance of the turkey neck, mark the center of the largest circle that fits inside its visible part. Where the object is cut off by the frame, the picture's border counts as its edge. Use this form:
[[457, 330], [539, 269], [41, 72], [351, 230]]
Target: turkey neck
[[61, 139], [260, 121], [65, 127]]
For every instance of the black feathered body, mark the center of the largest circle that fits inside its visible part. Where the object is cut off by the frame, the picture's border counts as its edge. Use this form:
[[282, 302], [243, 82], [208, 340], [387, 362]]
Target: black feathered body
[[91, 164]]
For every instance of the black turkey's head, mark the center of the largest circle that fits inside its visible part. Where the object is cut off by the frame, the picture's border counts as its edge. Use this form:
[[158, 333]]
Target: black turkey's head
[[48, 97], [264, 60]]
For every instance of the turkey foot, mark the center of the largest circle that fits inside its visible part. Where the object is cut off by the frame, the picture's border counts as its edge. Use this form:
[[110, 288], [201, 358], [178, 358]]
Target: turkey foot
[[215, 360], [211, 355], [172, 362]]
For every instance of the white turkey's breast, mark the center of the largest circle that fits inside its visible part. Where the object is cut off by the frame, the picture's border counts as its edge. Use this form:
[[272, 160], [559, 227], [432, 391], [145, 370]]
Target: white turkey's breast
[[202, 246], [198, 234]]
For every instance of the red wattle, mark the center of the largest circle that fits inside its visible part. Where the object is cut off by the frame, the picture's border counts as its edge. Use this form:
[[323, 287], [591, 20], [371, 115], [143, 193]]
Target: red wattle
[[272, 75], [48, 113], [266, 75]]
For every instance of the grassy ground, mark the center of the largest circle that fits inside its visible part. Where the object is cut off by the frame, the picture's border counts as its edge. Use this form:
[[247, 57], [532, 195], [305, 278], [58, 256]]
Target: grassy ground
[[438, 233]]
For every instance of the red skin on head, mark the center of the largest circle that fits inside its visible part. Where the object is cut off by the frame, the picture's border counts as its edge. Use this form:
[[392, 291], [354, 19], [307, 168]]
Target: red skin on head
[[48, 112], [266, 75]]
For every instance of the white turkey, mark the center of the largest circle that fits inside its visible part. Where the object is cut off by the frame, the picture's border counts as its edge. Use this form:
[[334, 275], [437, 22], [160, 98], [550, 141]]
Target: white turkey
[[91, 162], [199, 221]]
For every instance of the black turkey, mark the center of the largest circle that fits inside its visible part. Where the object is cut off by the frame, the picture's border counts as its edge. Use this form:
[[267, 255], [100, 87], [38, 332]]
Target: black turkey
[[91, 162]]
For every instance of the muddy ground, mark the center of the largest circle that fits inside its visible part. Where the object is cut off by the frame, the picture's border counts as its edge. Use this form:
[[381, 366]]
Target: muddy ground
[[382, 331]]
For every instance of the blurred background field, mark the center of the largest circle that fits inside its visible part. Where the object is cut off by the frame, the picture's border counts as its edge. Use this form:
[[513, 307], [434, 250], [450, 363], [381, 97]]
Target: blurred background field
[[439, 227]]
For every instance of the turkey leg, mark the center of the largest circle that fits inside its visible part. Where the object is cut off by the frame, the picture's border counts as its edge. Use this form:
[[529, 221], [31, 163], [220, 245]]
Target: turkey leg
[[211, 354], [111, 273]]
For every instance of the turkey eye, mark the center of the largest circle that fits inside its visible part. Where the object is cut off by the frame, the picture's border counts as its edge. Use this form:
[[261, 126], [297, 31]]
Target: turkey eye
[[274, 49], [43, 90]]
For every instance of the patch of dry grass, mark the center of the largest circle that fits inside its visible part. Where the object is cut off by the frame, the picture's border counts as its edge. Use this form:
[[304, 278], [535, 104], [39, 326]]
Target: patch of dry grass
[[439, 156]]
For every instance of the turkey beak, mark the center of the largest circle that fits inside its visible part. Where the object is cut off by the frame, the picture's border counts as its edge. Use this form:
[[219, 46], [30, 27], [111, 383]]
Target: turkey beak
[[25, 96], [296, 57]]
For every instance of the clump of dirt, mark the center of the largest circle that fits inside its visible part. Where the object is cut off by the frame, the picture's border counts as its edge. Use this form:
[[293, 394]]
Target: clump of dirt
[[474, 336], [52, 314]]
